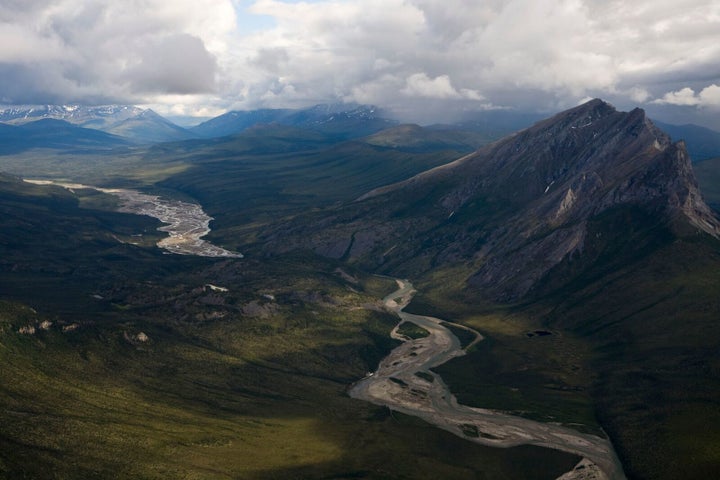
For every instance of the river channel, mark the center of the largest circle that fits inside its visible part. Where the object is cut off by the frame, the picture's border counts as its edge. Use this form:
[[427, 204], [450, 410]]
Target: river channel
[[405, 382], [185, 223]]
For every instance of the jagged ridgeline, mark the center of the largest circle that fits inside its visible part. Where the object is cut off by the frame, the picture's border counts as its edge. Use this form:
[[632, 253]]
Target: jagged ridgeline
[[589, 222], [518, 209]]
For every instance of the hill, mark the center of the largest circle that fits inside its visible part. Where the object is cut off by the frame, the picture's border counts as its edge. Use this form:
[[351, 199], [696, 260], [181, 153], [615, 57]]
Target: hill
[[149, 127], [415, 138], [276, 170]]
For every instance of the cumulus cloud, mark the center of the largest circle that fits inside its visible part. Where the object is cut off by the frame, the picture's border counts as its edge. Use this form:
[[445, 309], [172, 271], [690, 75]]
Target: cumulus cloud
[[545, 54], [685, 96], [708, 97], [402, 54], [89, 51], [420, 85]]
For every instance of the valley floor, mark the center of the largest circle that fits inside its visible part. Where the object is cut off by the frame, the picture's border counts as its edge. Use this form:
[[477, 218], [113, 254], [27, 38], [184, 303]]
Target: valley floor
[[404, 382]]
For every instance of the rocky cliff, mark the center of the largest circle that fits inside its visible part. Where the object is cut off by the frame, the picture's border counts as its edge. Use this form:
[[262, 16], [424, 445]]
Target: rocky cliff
[[513, 211]]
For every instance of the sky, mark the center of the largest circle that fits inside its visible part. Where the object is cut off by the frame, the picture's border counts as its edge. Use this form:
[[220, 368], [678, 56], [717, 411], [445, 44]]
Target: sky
[[422, 60]]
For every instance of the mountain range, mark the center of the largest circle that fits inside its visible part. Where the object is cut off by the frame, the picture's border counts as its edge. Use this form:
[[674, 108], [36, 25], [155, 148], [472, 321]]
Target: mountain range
[[135, 124], [519, 207], [580, 246], [341, 121], [54, 134]]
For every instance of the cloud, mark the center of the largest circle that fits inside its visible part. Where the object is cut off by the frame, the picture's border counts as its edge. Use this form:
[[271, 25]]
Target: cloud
[[88, 51], [407, 55], [638, 94], [708, 97], [420, 85], [547, 54], [685, 96], [177, 64]]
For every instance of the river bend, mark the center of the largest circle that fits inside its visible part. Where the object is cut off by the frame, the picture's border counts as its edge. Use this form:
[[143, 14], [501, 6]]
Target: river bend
[[405, 382], [185, 223]]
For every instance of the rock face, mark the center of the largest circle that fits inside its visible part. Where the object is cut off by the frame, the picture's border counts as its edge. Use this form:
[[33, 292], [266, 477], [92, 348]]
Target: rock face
[[518, 208]]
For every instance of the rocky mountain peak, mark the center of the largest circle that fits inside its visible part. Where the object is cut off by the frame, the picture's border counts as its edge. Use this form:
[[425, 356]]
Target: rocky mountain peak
[[516, 209]]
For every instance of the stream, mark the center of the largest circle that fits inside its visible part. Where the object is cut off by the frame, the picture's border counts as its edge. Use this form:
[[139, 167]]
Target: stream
[[186, 223], [405, 383]]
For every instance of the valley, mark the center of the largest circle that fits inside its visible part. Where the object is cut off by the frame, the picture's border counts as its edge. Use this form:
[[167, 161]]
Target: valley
[[186, 223], [405, 383], [580, 248]]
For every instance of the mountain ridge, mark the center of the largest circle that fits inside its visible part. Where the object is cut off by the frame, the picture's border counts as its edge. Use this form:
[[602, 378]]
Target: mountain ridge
[[343, 121], [518, 207], [50, 133], [136, 124]]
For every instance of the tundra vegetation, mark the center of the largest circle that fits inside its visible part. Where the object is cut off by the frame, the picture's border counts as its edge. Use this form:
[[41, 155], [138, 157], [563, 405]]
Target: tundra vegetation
[[136, 368]]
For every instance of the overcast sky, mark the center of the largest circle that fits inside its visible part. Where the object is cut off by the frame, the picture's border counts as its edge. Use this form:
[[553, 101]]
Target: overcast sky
[[418, 58]]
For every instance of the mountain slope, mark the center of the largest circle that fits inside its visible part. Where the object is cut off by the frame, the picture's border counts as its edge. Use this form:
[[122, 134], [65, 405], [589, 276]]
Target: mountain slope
[[414, 138], [55, 134], [588, 227], [149, 127], [341, 121], [236, 121], [277, 170], [515, 209], [133, 123]]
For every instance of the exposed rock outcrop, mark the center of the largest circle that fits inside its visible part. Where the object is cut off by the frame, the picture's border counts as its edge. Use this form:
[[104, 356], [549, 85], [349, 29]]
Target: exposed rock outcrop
[[515, 209]]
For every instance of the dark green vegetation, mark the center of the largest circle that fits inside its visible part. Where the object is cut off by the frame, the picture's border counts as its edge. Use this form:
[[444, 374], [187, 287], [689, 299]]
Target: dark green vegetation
[[411, 330], [466, 337], [120, 362], [637, 353], [425, 376], [233, 398], [148, 372]]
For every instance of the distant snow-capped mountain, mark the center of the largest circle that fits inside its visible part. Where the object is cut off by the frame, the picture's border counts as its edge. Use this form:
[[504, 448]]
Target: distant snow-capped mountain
[[134, 123], [85, 116]]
